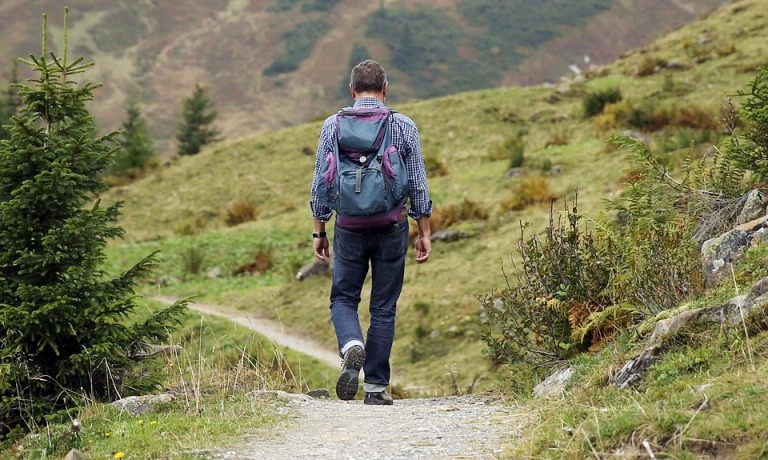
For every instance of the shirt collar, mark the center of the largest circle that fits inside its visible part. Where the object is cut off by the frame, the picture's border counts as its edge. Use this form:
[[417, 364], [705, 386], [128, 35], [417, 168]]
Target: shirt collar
[[368, 103]]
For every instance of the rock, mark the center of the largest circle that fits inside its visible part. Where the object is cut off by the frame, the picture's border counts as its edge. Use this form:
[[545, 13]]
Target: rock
[[675, 64], [754, 207], [75, 454], [138, 405], [554, 385], [280, 395], [717, 252], [214, 273], [319, 393], [636, 135], [732, 312], [315, 267], [448, 235], [633, 370], [514, 172]]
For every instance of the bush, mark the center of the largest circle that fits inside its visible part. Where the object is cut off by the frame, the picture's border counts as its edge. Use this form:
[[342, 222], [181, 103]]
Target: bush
[[594, 103], [434, 167], [648, 66], [511, 149], [562, 279], [527, 191], [240, 212]]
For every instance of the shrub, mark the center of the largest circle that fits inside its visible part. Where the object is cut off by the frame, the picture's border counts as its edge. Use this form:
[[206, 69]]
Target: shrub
[[193, 259], [562, 279], [529, 190], [263, 259], [649, 65], [511, 149], [240, 212], [434, 167], [444, 217], [594, 103]]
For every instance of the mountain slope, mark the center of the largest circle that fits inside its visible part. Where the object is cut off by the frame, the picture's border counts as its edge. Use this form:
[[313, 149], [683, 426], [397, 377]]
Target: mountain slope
[[181, 209], [155, 52]]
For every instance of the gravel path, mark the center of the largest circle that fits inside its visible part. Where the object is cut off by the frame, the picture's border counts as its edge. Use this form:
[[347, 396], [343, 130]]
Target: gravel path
[[464, 427]]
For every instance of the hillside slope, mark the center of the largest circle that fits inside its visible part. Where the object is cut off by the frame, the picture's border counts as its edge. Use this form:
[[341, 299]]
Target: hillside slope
[[155, 52], [182, 208]]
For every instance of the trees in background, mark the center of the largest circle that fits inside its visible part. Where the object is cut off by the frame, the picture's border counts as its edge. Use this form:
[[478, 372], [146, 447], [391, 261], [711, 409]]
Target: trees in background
[[68, 330], [195, 128], [136, 143]]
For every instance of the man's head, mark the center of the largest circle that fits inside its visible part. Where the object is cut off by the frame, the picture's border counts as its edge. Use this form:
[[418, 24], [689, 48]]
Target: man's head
[[368, 79]]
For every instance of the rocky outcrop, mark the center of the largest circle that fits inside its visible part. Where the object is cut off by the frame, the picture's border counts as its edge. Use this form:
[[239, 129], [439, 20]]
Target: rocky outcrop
[[731, 313], [717, 253]]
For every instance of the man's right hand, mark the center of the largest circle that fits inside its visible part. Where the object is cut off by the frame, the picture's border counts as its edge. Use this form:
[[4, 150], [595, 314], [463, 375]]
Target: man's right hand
[[423, 249], [321, 247]]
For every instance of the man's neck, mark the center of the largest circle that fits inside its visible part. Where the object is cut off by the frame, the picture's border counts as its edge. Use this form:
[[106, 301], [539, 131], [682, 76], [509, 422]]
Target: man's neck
[[379, 96]]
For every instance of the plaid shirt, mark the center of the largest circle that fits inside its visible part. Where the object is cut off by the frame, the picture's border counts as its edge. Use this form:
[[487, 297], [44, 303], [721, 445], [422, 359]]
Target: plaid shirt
[[405, 137]]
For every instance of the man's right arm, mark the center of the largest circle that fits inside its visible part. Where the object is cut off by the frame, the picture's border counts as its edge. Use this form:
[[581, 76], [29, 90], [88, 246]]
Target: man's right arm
[[319, 211]]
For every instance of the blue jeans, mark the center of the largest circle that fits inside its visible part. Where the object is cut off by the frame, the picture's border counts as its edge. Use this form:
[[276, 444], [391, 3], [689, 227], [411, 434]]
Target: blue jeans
[[384, 250]]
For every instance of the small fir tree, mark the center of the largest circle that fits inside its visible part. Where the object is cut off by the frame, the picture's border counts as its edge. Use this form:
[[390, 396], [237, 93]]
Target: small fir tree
[[67, 329], [136, 142], [196, 126]]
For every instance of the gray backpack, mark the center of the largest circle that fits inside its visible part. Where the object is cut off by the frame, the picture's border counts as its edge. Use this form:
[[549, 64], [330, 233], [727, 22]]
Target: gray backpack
[[364, 179]]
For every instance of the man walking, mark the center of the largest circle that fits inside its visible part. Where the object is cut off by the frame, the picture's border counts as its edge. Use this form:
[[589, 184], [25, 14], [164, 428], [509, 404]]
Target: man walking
[[381, 247]]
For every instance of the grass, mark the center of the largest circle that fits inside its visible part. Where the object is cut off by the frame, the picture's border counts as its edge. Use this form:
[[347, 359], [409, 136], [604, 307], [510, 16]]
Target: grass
[[699, 401], [182, 206], [273, 171], [212, 375]]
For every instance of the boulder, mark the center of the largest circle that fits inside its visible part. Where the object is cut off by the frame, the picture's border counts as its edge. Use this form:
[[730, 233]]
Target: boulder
[[554, 385], [315, 267], [717, 253], [138, 405]]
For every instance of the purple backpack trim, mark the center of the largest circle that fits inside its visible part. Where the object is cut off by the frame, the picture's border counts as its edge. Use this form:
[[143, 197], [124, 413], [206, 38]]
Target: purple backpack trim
[[386, 163], [330, 174], [363, 223]]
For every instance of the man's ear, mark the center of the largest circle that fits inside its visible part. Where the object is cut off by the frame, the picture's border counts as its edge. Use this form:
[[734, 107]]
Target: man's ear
[[384, 91], [352, 91]]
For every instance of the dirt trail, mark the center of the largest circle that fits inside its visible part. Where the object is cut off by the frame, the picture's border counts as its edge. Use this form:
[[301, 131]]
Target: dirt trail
[[269, 329], [467, 427]]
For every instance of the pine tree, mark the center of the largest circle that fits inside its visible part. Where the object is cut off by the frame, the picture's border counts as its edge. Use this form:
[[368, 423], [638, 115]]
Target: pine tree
[[195, 129], [136, 143], [9, 103], [67, 328]]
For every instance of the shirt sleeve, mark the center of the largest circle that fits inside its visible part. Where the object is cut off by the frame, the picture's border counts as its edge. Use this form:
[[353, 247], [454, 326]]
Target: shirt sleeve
[[421, 204], [319, 211]]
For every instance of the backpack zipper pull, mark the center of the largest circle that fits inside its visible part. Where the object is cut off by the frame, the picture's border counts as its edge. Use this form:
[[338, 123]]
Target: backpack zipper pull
[[358, 180]]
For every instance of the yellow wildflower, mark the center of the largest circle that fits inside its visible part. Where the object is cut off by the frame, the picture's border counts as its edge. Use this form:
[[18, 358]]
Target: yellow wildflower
[[119, 454]]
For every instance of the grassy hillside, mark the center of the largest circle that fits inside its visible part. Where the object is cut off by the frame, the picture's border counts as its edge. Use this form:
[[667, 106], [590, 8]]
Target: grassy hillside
[[275, 63], [181, 209]]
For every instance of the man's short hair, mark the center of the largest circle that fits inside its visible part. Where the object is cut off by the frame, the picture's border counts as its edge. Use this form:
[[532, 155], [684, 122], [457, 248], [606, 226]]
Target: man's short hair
[[368, 76]]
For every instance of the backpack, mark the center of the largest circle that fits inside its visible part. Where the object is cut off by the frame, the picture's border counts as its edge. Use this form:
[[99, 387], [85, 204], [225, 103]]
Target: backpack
[[364, 178]]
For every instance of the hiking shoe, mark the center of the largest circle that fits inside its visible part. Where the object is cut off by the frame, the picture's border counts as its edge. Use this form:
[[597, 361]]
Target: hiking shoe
[[379, 398], [346, 386]]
